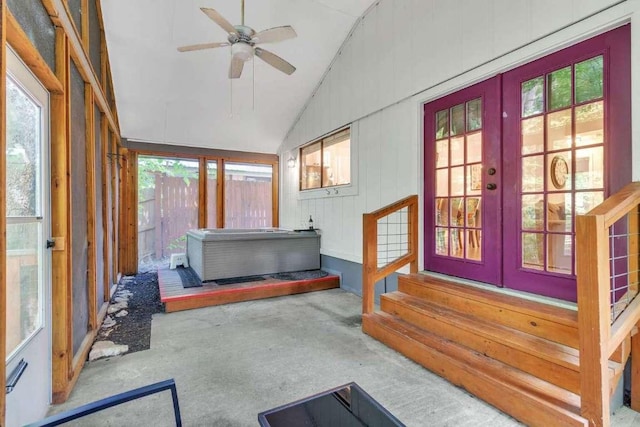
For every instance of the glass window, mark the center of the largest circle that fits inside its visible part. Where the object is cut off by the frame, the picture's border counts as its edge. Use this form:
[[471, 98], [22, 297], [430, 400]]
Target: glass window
[[167, 205], [327, 162], [24, 194], [248, 199]]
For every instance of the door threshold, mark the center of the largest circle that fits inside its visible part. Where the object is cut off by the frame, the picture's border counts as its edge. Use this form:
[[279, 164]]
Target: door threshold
[[504, 291]]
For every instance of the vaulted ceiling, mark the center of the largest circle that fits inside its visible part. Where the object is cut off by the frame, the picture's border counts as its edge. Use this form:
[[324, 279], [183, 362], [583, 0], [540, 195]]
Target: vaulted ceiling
[[165, 96]]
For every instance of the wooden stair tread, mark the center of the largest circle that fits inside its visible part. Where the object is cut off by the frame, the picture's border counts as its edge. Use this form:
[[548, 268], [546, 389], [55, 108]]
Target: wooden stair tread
[[542, 348], [526, 397], [557, 314]]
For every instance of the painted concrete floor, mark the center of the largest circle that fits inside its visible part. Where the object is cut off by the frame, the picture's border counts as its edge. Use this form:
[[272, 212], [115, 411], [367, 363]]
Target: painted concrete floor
[[232, 362]]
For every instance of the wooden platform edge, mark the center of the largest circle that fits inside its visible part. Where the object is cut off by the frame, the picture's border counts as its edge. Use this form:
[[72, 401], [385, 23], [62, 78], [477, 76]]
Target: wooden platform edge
[[227, 296], [526, 407]]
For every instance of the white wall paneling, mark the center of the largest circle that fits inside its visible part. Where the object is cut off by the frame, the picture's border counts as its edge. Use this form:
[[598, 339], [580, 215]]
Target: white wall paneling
[[406, 52]]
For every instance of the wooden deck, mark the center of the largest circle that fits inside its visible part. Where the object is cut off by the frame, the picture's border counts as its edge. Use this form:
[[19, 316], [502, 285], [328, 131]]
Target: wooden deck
[[177, 298]]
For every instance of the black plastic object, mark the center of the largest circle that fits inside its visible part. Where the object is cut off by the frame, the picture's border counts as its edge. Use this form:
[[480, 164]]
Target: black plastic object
[[344, 406]]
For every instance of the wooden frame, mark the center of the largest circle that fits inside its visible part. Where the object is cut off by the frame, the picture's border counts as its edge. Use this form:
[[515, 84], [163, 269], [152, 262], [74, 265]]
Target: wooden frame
[[371, 273], [3, 206], [68, 45], [602, 341], [202, 156]]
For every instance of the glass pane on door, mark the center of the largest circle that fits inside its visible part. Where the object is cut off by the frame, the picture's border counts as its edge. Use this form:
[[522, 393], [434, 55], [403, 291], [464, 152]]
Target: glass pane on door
[[562, 161], [458, 219], [24, 216]]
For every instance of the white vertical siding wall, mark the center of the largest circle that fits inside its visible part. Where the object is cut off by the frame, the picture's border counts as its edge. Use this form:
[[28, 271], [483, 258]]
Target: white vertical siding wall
[[403, 53]]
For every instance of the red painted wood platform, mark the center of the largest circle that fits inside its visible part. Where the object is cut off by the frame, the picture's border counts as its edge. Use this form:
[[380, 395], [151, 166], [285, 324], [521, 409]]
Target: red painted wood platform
[[177, 298]]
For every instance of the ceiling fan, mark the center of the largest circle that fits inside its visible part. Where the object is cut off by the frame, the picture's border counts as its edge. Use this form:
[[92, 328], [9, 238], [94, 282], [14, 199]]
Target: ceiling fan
[[243, 41]]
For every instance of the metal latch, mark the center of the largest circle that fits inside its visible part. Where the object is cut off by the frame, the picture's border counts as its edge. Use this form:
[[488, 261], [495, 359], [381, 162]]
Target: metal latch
[[51, 243]]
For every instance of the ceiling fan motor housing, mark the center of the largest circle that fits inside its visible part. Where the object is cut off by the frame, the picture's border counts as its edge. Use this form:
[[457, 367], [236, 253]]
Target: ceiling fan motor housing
[[242, 50]]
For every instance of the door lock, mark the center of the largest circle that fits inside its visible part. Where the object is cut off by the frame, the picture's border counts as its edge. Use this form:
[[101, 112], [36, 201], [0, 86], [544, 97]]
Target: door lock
[[491, 186], [50, 244], [491, 171]]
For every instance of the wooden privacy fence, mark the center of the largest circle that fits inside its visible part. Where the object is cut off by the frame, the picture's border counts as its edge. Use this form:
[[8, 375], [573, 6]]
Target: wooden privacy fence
[[168, 210]]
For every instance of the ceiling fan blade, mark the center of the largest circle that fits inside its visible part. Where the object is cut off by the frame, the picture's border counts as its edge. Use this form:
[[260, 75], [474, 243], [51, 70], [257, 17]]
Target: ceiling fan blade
[[235, 69], [276, 34], [275, 61], [219, 19], [201, 46]]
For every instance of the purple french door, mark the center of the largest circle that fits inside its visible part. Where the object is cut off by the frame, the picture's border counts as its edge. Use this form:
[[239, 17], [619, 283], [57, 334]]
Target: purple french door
[[501, 193], [462, 194]]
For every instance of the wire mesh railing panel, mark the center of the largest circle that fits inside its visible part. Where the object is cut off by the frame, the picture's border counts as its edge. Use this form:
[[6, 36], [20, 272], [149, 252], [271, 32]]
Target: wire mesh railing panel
[[624, 237], [393, 237]]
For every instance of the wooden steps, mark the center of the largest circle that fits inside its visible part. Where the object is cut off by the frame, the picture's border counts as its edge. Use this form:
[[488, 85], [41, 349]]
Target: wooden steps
[[520, 356]]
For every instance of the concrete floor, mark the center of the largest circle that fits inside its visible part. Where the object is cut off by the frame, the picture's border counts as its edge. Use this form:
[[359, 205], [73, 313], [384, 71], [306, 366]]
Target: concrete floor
[[232, 362]]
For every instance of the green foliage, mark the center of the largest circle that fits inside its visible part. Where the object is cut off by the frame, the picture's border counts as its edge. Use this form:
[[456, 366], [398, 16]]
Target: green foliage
[[149, 167]]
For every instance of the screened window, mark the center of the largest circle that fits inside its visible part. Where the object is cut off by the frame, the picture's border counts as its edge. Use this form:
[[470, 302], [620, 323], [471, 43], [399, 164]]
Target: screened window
[[327, 162]]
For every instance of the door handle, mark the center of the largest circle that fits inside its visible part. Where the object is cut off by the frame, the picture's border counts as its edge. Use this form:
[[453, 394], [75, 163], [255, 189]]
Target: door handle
[[50, 244], [491, 186]]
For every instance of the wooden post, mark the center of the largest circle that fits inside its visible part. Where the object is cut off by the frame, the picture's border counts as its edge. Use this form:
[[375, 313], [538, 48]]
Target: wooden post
[[60, 225], [104, 131], [413, 235], [635, 371], [220, 193], [369, 261], [275, 178], [594, 317], [3, 205], [90, 162], [202, 192]]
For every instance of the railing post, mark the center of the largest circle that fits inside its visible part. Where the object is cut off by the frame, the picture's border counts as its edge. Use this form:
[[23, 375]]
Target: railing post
[[413, 235], [369, 261], [594, 317]]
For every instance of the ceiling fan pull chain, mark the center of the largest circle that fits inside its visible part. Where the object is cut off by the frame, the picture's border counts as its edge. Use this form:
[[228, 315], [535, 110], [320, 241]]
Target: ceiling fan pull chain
[[242, 12]]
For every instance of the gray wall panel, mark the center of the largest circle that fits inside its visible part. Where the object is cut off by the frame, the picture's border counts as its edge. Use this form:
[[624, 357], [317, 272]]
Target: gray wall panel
[[79, 241], [97, 120], [35, 21], [94, 39]]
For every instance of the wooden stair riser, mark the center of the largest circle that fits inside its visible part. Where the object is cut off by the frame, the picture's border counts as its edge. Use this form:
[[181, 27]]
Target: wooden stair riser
[[492, 383], [563, 371], [501, 314]]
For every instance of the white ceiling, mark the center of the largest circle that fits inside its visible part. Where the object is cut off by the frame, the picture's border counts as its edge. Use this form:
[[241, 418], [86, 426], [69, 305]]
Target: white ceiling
[[165, 96]]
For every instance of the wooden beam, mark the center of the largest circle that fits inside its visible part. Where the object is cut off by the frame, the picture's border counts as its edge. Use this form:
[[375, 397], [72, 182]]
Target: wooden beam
[[90, 163], [60, 226], [635, 372], [203, 178], [104, 132], [594, 317], [84, 17], [3, 207], [220, 195], [115, 184], [20, 42], [275, 207], [369, 261]]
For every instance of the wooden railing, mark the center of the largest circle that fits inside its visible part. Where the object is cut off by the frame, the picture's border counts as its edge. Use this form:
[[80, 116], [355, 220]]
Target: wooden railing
[[390, 241], [606, 329]]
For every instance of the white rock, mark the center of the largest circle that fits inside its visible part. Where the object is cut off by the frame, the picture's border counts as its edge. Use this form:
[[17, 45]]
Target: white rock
[[117, 307], [109, 322], [122, 313], [106, 349]]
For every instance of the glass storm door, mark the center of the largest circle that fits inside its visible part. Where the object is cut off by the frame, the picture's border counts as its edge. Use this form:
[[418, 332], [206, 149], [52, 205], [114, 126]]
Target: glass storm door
[[28, 276], [462, 203], [562, 127]]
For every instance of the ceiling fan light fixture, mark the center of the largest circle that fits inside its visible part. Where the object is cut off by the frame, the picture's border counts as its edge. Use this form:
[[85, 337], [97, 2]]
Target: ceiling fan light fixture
[[242, 51]]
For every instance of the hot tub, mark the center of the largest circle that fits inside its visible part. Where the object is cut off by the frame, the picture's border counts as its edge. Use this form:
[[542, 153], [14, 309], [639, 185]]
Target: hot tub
[[224, 253]]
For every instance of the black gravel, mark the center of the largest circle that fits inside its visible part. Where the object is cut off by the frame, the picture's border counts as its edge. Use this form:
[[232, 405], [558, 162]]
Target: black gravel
[[134, 329]]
